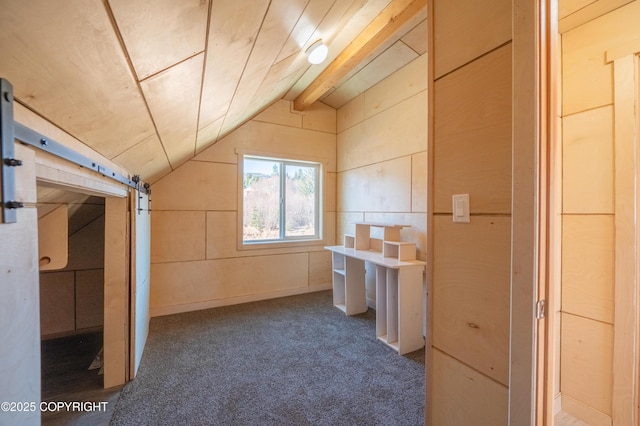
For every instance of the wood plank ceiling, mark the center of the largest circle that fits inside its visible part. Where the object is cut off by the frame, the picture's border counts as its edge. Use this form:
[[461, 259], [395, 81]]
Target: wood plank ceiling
[[150, 83]]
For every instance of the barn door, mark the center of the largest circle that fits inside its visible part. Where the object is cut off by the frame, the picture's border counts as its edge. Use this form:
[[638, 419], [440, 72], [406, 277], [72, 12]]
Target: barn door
[[140, 271], [19, 301]]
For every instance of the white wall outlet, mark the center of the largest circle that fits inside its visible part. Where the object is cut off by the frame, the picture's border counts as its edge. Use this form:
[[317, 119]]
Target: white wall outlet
[[461, 208]]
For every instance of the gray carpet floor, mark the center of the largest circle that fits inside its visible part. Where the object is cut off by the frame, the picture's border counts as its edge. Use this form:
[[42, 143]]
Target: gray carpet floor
[[289, 361]]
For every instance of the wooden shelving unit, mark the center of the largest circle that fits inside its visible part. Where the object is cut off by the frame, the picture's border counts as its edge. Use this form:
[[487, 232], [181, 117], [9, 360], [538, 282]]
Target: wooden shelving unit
[[399, 278], [348, 294]]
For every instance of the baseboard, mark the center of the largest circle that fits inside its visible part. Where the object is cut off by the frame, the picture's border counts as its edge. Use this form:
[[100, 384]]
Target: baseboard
[[70, 333], [371, 303], [557, 404], [585, 413], [159, 311]]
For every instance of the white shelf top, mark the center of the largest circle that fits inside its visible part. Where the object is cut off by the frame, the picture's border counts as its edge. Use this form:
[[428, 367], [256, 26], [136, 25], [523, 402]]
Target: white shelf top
[[376, 257], [382, 225], [400, 243]]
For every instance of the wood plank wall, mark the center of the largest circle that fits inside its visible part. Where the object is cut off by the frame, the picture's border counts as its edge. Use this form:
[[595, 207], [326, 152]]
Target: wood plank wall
[[382, 158], [195, 261], [588, 234], [472, 149]]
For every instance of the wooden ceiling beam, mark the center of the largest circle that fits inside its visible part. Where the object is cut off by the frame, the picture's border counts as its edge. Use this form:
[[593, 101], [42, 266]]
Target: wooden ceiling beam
[[392, 18]]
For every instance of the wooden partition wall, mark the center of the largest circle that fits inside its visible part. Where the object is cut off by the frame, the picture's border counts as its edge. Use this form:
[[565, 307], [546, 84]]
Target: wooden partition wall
[[597, 343], [470, 267]]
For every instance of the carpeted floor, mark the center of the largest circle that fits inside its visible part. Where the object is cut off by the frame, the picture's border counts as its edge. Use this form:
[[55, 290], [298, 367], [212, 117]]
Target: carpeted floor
[[289, 361]]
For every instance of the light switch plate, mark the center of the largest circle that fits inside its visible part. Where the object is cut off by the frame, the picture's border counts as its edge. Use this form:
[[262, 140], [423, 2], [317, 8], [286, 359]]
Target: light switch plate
[[461, 208]]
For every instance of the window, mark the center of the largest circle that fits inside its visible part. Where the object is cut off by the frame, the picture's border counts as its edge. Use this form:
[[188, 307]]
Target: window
[[280, 200]]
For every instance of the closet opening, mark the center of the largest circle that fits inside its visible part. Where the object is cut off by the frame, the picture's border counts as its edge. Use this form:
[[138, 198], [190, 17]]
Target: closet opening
[[71, 235]]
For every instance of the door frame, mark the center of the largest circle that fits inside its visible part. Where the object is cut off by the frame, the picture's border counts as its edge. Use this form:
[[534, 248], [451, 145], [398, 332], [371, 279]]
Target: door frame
[[626, 357], [531, 251], [62, 174]]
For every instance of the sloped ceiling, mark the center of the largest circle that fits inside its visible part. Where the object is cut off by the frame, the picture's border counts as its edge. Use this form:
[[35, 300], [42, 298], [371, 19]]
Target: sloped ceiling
[[150, 83]]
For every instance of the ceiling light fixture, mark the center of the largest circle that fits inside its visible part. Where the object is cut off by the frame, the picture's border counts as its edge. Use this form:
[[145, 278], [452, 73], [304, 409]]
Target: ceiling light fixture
[[317, 52]]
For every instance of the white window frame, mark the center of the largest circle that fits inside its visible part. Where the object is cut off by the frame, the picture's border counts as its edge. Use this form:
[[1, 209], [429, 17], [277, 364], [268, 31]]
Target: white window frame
[[319, 195]]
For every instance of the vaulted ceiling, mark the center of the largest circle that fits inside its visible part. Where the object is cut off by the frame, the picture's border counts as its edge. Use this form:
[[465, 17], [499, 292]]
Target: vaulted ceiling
[[150, 83]]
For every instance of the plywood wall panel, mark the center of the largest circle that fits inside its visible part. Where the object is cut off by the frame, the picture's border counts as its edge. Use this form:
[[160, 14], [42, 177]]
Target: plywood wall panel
[[19, 309], [281, 112], [281, 17], [584, 11], [208, 134], [588, 272], [192, 282], [299, 38], [320, 117], [144, 26], [86, 247], [89, 298], [232, 31], [346, 224], [350, 114], [380, 187], [30, 119], [582, 413], [197, 186], [417, 38], [221, 234], [466, 29], [485, 401], [329, 232], [472, 150], [587, 162], [398, 131], [53, 242], [567, 7], [173, 97], [82, 214], [587, 361], [274, 139], [320, 274], [419, 182], [57, 302], [330, 188], [86, 56], [147, 159], [399, 86], [587, 79], [471, 291], [177, 236]]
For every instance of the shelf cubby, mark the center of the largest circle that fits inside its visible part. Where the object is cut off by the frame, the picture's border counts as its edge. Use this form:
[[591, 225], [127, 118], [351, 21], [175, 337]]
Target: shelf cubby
[[399, 250]]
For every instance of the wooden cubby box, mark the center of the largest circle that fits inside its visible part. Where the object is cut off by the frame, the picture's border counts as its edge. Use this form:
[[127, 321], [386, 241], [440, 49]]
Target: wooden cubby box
[[364, 241], [349, 241], [399, 250]]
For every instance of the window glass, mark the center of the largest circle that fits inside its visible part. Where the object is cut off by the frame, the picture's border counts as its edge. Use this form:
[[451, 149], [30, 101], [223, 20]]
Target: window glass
[[280, 200]]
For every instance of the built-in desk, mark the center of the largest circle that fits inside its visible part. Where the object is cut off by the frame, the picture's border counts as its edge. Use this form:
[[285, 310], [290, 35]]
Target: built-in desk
[[398, 293]]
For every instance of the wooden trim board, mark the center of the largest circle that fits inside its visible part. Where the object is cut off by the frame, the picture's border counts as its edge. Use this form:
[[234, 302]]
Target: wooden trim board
[[627, 243]]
